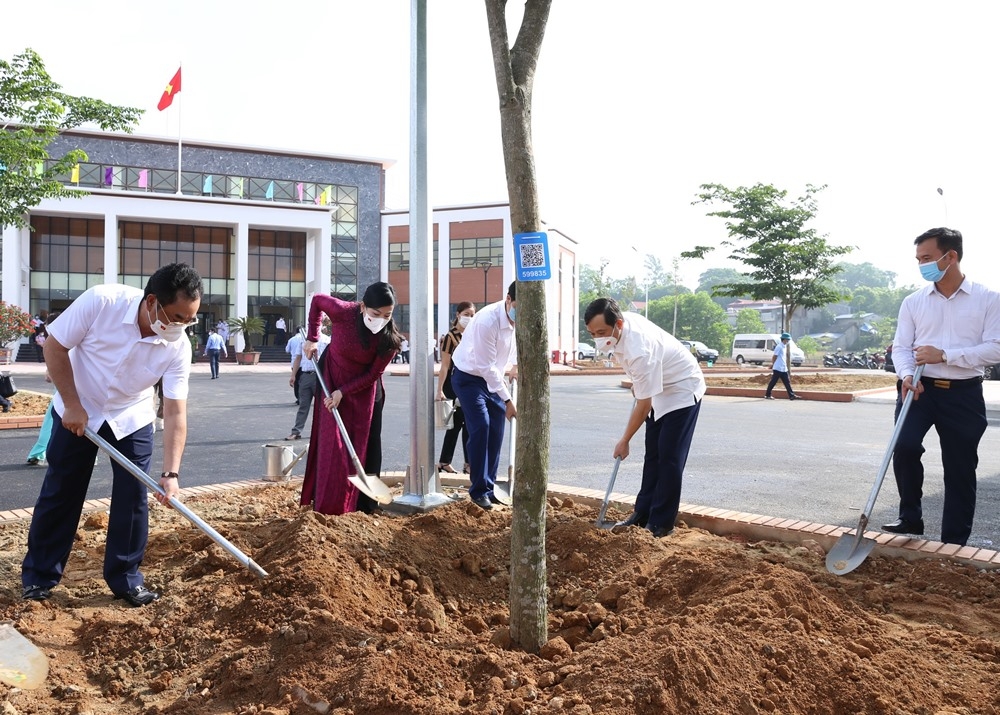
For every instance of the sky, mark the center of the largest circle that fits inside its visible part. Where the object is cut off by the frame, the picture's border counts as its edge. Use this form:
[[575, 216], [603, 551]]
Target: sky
[[636, 104]]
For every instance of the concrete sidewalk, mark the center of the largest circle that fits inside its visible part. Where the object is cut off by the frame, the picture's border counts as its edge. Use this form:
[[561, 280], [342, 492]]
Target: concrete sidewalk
[[991, 393]]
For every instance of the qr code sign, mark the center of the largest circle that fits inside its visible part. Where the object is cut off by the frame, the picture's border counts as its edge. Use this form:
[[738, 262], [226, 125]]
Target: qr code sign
[[532, 255]]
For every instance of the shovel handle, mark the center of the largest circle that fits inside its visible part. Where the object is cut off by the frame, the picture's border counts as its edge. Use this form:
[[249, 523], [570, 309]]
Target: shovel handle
[[607, 494], [907, 401], [153, 486], [513, 435]]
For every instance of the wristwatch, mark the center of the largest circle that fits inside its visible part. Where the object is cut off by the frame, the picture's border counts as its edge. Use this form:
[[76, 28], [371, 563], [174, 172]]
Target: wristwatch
[[169, 475], [944, 357]]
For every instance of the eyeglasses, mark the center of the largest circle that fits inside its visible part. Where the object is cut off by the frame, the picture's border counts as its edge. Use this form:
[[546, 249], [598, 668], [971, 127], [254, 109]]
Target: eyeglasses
[[182, 323]]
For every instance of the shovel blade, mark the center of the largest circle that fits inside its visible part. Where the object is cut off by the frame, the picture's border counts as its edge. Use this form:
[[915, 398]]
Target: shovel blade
[[372, 487], [848, 553], [501, 493]]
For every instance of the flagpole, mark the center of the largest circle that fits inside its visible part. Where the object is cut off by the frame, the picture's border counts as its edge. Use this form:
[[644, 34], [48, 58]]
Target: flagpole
[[180, 101]]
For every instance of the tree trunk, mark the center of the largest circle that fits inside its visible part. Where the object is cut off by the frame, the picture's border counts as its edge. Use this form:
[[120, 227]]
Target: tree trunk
[[515, 68]]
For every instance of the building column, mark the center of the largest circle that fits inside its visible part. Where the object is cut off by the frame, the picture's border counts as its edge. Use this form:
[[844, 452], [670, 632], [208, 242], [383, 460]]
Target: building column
[[241, 300], [323, 261], [111, 248], [444, 278]]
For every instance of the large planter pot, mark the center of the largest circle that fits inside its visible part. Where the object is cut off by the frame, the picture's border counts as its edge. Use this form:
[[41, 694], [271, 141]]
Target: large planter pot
[[247, 358]]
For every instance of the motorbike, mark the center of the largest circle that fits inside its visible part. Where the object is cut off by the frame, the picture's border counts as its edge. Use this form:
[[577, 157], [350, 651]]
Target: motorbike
[[829, 360]]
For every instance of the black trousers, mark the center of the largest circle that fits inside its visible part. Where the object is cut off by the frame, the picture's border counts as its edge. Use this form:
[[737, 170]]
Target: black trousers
[[668, 441], [779, 375], [60, 503], [373, 455], [959, 416]]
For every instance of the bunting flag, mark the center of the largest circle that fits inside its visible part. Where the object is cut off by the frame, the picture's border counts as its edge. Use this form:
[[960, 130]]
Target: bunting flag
[[39, 168], [207, 186], [143, 178], [74, 176], [323, 198], [269, 194], [236, 187], [172, 88], [109, 175], [298, 190]]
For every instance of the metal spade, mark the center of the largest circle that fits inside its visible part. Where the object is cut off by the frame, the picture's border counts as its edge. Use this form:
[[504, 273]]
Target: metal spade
[[852, 549]]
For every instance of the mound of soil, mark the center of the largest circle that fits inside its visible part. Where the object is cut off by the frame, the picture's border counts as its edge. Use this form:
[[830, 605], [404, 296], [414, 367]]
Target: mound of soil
[[395, 615], [26, 403]]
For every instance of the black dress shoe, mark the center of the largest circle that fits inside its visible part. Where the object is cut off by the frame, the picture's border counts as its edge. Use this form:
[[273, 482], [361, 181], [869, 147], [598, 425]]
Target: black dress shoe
[[659, 532], [483, 503], [794, 397], [139, 596], [634, 519], [36, 593], [902, 526]]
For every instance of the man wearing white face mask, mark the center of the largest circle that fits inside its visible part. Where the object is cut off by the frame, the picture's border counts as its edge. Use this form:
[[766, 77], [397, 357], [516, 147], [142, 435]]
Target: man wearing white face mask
[[481, 359], [952, 327], [104, 355], [668, 385]]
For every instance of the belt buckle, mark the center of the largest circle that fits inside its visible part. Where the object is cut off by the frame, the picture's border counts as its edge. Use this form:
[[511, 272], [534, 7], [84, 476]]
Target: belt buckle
[[942, 384]]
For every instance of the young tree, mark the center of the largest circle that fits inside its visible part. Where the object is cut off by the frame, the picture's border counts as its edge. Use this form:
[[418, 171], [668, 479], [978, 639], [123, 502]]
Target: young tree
[[35, 110], [785, 259], [514, 66], [748, 320]]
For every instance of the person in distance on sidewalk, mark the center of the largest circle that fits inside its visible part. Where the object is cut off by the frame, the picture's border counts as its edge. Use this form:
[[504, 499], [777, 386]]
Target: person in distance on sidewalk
[[779, 369]]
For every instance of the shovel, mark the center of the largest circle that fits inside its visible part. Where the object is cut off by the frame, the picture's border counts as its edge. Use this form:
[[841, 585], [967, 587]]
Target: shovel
[[852, 549], [368, 485], [504, 494], [288, 470], [22, 664], [601, 524], [152, 485]]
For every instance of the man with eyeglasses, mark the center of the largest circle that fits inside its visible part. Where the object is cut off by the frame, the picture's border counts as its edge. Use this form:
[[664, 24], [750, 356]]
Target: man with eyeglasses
[[104, 355]]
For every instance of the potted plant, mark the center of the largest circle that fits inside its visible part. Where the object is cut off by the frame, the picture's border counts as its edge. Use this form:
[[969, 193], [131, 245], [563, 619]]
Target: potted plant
[[14, 325], [247, 325]]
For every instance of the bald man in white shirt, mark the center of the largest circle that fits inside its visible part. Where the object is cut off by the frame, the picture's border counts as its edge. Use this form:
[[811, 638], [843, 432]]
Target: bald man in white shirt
[[104, 354], [952, 327]]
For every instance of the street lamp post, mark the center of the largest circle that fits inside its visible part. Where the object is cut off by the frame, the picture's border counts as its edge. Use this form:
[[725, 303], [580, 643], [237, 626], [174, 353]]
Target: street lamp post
[[486, 265]]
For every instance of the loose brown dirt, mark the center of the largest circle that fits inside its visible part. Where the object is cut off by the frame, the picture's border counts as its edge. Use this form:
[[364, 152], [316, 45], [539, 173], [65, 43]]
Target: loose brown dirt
[[393, 615], [26, 403], [818, 381]]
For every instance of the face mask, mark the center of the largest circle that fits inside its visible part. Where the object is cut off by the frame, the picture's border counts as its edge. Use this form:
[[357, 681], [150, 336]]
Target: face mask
[[170, 333], [510, 313], [931, 272], [375, 324], [607, 343], [465, 320]]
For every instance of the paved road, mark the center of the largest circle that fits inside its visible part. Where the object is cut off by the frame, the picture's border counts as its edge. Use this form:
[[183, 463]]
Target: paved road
[[809, 460]]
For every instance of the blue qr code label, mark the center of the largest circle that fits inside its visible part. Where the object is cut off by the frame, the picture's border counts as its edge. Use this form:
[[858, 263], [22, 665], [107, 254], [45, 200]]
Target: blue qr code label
[[532, 255]]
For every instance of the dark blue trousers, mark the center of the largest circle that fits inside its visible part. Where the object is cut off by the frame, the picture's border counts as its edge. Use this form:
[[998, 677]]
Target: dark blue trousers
[[959, 416], [213, 361], [668, 441], [60, 503], [486, 419]]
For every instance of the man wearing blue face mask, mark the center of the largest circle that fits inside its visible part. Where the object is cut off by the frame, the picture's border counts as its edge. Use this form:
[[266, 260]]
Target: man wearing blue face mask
[[104, 355], [668, 385], [486, 350], [952, 327]]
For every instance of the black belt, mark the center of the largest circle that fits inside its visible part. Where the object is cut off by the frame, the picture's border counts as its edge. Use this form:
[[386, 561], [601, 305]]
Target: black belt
[[940, 384]]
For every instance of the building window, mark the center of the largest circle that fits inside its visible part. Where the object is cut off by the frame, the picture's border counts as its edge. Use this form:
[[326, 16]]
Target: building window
[[399, 256], [67, 258], [344, 268], [469, 252]]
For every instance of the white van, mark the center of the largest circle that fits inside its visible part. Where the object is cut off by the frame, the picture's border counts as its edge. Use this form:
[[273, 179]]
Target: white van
[[757, 348]]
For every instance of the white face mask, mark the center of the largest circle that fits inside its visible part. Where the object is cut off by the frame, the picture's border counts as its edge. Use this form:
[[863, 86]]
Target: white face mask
[[375, 324], [464, 320], [171, 333], [607, 343]]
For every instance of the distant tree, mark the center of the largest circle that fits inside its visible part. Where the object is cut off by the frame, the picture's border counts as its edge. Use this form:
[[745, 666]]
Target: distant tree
[[786, 260], [698, 318], [713, 277], [35, 111], [810, 346], [857, 275], [655, 275], [748, 320]]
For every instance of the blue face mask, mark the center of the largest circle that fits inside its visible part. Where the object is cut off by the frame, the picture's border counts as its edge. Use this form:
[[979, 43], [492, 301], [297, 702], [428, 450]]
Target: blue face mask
[[510, 313], [931, 272]]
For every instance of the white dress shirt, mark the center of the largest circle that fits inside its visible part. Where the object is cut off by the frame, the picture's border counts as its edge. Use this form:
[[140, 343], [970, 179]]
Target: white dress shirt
[[658, 365], [488, 347], [966, 326], [114, 367], [294, 348]]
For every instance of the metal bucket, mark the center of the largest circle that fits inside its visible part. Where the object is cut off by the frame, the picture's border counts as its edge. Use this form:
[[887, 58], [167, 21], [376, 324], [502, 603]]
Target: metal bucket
[[279, 460]]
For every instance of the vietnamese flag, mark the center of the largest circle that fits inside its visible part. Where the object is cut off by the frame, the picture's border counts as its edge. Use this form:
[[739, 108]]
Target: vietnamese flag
[[172, 88]]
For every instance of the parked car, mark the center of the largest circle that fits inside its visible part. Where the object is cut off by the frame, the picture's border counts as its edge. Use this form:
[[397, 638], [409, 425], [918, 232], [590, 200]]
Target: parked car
[[701, 351], [585, 351]]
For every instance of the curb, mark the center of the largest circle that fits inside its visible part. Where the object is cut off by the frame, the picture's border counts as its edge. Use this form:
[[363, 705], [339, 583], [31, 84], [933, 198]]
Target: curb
[[721, 522]]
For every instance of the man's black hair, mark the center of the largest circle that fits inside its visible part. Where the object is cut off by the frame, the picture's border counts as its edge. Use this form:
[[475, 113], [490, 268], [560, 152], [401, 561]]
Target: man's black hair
[[174, 278], [607, 307], [512, 290], [948, 239]]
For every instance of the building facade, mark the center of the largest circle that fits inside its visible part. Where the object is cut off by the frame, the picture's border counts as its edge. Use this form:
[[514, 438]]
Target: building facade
[[265, 228], [473, 260]]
